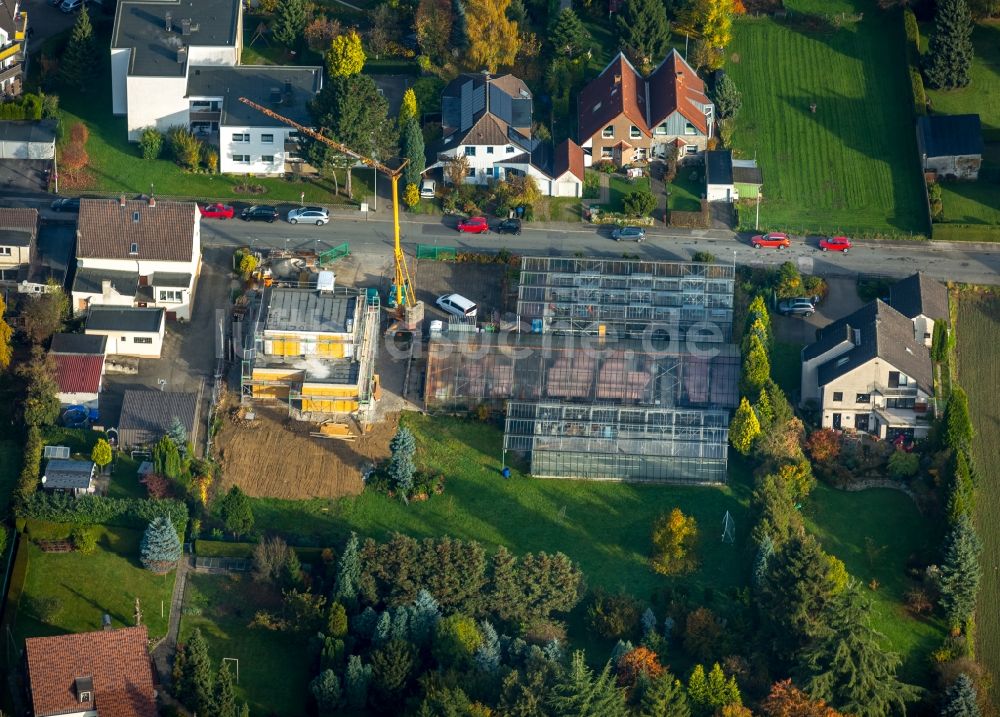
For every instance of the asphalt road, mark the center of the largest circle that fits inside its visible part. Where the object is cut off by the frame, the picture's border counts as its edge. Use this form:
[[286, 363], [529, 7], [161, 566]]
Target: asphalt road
[[972, 263]]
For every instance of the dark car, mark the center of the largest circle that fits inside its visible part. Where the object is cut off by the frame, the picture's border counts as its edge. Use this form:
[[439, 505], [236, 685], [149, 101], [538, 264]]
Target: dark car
[[509, 226], [259, 214], [66, 204]]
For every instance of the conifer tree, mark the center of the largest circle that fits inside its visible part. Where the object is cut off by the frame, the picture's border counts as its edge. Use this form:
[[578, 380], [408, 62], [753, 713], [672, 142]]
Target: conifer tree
[[78, 60], [663, 696], [487, 656], [225, 693], [950, 52], [579, 693], [356, 680], [958, 425], [411, 147], [325, 689], [236, 512], [758, 311], [290, 23], [960, 572], [195, 685], [408, 109], [160, 548], [744, 428], [765, 551], [644, 32], [756, 366], [960, 699], [401, 468], [796, 593], [336, 620], [426, 614], [345, 587], [728, 99], [569, 37], [962, 499], [383, 629], [504, 596], [763, 409]]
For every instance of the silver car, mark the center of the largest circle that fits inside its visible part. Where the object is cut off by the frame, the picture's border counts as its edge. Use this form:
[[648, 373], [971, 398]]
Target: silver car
[[797, 307], [636, 234], [309, 215]]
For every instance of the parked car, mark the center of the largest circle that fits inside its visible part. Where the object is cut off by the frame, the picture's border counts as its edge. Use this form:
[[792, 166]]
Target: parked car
[[66, 204], [835, 244], [259, 214], [217, 211], [457, 305], [636, 234], [774, 239], [309, 215], [69, 6], [427, 189], [509, 226], [801, 306], [474, 225]]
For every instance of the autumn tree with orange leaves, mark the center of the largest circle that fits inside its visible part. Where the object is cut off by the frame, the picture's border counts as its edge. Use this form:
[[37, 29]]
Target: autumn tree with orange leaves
[[637, 662], [787, 700]]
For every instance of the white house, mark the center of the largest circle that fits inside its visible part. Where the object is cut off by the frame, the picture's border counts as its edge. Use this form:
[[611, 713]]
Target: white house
[[558, 173], [130, 331], [728, 179], [177, 62], [18, 236], [137, 253]]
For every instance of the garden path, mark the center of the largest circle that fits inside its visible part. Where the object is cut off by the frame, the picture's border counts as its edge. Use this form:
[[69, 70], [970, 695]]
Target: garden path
[[164, 652]]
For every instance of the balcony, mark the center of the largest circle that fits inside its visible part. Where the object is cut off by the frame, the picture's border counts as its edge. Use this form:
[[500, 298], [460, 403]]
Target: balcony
[[908, 391], [11, 72], [10, 51], [21, 26], [205, 115]]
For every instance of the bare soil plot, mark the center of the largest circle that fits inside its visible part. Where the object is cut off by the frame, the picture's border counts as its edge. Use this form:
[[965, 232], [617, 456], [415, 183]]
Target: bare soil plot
[[274, 457]]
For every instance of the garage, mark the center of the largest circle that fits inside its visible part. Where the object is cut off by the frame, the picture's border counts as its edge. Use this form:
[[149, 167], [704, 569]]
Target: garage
[[28, 139]]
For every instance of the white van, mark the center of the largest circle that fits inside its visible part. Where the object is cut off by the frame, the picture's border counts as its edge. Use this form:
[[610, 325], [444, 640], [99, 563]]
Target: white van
[[457, 305], [427, 188]]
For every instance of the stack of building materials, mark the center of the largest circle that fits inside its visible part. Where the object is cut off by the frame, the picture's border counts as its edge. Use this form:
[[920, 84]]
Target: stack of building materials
[[571, 378]]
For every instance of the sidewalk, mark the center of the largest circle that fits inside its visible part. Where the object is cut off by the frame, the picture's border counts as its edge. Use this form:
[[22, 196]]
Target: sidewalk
[[164, 652]]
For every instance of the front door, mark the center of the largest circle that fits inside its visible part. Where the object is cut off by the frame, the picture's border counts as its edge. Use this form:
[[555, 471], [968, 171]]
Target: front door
[[836, 421], [861, 421]]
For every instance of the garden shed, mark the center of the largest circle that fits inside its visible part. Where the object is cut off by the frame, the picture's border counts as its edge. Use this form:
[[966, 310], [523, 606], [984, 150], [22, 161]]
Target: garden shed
[[71, 476], [28, 139], [950, 146], [728, 179], [147, 416]]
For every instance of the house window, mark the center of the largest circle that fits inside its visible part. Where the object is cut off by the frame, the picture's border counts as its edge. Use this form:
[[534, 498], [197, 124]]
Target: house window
[[135, 216], [471, 172], [838, 396], [863, 398], [510, 149], [900, 402], [142, 340], [489, 171], [661, 129], [605, 152], [608, 132], [634, 132], [689, 129], [171, 295], [241, 158], [690, 149], [267, 138], [268, 159], [489, 150], [84, 697], [5, 251], [470, 151], [124, 339], [241, 137], [133, 249]]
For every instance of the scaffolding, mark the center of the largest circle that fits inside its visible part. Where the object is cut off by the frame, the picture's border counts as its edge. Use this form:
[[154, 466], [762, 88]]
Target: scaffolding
[[468, 370], [627, 298], [601, 442]]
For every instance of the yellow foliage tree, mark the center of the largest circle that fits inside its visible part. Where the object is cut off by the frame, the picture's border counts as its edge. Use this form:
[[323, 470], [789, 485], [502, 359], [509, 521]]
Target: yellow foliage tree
[[674, 538], [346, 56], [493, 39], [712, 21], [408, 110], [248, 264], [6, 333], [412, 195]]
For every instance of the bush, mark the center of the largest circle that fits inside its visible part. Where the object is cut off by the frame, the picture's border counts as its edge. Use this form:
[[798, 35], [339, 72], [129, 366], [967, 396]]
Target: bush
[[184, 146], [44, 609], [936, 201], [79, 133], [613, 616], [84, 539], [151, 143], [705, 257], [913, 60], [100, 510], [903, 464], [639, 203]]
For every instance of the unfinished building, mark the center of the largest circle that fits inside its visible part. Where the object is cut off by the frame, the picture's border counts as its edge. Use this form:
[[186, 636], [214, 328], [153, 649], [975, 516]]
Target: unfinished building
[[314, 349]]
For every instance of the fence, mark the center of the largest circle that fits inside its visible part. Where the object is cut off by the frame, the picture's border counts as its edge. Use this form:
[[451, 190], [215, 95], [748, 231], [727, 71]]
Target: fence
[[331, 255], [222, 565], [436, 253]]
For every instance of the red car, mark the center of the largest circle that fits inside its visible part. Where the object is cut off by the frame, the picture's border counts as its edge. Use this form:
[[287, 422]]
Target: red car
[[217, 211], [474, 225], [775, 239], [835, 244]]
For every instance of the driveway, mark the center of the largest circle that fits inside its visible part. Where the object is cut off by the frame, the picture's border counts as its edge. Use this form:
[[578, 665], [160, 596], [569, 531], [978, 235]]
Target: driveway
[[47, 21], [841, 299], [19, 175]]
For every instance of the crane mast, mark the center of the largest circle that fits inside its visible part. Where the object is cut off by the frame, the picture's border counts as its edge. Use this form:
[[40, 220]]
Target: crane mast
[[405, 293]]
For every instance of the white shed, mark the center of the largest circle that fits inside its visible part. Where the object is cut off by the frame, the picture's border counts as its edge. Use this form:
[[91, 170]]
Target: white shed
[[28, 139]]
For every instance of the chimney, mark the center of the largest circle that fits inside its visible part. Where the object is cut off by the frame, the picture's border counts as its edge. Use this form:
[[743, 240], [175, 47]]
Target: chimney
[[106, 288], [121, 201], [185, 26], [168, 22], [152, 202], [182, 55]]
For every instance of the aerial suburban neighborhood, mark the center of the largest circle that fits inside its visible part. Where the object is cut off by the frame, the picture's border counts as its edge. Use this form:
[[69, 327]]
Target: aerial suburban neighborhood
[[500, 357]]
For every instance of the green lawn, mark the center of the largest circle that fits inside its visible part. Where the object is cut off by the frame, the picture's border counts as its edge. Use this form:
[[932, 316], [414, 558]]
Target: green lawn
[[619, 186], [875, 532], [971, 202], [982, 96], [605, 526], [88, 586], [979, 372], [786, 366], [685, 191], [852, 165], [273, 666]]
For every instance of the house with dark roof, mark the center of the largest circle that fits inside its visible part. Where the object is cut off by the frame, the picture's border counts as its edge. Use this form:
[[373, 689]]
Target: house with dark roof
[[143, 253], [148, 415], [69, 476], [102, 674], [178, 63], [950, 146], [18, 242], [625, 117], [78, 344], [923, 301], [127, 330], [487, 120], [728, 179], [13, 46], [871, 371]]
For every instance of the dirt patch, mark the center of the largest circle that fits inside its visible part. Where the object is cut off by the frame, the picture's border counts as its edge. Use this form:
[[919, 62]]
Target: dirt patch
[[275, 457]]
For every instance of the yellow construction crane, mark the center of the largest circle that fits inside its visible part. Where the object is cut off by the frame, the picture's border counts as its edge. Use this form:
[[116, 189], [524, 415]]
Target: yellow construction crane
[[405, 295]]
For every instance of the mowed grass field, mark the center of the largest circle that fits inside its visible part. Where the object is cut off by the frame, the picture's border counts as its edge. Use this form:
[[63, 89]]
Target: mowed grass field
[[982, 96], [850, 166], [979, 373]]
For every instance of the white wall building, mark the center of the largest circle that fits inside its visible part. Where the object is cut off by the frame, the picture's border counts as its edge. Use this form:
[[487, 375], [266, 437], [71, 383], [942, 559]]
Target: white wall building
[[130, 331]]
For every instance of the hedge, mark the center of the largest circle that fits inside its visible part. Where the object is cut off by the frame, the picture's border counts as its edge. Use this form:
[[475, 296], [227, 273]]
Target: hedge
[[966, 232], [913, 60], [99, 510], [17, 577], [224, 549]]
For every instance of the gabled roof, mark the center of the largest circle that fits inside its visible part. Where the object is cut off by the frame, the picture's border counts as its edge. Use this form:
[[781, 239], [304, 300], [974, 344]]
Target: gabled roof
[[124, 318], [78, 344], [67, 474], [471, 95], [950, 135], [674, 86], [618, 90], [89, 280], [918, 295], [147, 415], [20, 220], [106, 229], [117, 661], [876, 330], [170, 280], [79, 373], [8, 22], [568, 158]]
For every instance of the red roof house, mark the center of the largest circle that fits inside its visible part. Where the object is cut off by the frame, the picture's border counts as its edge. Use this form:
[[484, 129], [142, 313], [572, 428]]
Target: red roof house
[[107, 672], [79, 378]]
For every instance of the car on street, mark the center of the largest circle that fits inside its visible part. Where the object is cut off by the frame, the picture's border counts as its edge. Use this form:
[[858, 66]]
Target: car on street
[[457, 305], [309, 215], [509, 226], [801, 306], [427, 189], [69, 6], [774, 239], [474, 225], [636, 234], [217, 211], [66, 204], [842, 244], [259, 213]]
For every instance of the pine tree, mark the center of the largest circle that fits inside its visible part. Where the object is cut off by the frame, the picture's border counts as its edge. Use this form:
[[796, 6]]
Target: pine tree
[[383, 629], [960, 572], [722, 692], [236, 513], [408, 109], [195, 686], [290, 22], [167, 459], [345, 588], [178, 434], [292, 570], [960, 699], [78, 60], [727, 98], [160, 548], [663, 696], [325, 689], [962, 500], [336, 620], [758, 311], [958, 425], [391, 668], [950, 52], [622, 647], [225, 693], [643, 32], [697, 687], [796, 593], [356, 679], [569, 36], [579, 693], [847, 667], [744, 428], [505, 587], [401, 468], [101, 454], [487, 657], [763, 409], [412, 148], [756, 367], [364, 623], [765, 551], [426, 614], [648, 621]]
